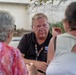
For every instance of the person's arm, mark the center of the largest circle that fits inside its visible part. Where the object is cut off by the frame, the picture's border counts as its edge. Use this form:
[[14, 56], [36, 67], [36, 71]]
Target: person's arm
[[39, 64], [32, 70], [55, 31], [50, 54]]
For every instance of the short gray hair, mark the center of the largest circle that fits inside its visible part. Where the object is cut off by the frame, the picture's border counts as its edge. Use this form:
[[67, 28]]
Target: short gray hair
[[6, 24], [37, 16]]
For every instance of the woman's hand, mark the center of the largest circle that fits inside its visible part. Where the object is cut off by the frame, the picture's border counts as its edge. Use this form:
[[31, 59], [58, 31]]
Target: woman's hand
[[32, 70], [56, 31]]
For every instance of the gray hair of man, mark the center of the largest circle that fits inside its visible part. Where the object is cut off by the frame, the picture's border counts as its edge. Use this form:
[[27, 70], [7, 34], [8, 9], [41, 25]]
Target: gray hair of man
[[6, 24], [38, 16]]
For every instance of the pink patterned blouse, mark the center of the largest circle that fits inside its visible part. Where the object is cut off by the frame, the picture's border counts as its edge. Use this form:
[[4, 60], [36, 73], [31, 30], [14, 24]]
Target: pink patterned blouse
[[11, 62]]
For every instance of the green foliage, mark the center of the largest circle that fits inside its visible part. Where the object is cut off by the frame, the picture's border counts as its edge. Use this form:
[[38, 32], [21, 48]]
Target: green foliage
[[57, 24]]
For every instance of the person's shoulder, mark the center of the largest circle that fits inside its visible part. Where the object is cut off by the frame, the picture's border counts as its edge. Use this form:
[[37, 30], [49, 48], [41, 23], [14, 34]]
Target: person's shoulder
[[29, 34], [15, 50], [66, 35], [62, 35], [28, 37], [10, 49], [66, 38]]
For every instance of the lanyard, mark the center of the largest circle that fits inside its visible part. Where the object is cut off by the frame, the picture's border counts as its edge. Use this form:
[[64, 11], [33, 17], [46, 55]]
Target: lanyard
[[36, 51]]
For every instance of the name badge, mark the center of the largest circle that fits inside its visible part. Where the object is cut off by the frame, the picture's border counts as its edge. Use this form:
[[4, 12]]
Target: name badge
[[46, 48]]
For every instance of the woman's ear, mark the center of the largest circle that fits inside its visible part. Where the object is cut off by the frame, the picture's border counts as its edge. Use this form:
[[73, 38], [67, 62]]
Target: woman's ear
[[10, 33], [66, 26], [9, 36]]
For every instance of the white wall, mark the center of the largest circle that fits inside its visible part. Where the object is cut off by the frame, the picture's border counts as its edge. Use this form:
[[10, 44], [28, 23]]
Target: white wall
[[16, 1], [20, 11]]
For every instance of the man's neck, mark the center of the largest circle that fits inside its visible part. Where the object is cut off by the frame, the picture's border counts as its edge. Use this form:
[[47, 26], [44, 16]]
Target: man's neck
[[40, 41]]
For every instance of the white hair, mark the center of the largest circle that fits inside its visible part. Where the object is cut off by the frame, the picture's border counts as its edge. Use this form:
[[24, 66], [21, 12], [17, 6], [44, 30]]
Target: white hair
[[6, 23]]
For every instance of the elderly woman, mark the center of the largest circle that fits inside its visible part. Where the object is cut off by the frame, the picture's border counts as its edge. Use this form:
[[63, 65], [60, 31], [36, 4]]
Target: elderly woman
[[64, 60], [11, 62]]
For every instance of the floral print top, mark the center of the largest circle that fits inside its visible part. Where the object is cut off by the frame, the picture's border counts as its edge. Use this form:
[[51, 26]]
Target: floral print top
[[11, 62]]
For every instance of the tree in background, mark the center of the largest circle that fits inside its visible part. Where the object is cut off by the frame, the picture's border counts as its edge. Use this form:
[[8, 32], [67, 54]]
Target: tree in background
[[46, 5], [51, 7], [40, 2]]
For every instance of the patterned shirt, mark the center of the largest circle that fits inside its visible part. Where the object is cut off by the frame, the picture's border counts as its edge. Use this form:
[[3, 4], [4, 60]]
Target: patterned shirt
[[11, 62]]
